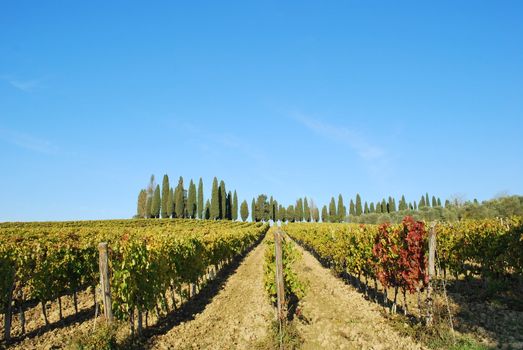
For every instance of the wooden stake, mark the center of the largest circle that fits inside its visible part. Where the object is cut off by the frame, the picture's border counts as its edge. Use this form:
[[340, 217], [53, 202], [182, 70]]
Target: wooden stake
[[432, 261], [104, 282]]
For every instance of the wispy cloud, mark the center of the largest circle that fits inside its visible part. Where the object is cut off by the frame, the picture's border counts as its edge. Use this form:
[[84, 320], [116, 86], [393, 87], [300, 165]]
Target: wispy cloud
[[25, 85], [28, 142], [363, 148]]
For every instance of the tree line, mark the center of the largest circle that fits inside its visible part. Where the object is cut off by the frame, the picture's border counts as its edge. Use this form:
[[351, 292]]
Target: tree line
[[178, 202], [168, 202]]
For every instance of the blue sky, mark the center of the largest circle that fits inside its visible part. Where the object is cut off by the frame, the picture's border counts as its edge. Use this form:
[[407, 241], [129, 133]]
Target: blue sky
[[285, 98]]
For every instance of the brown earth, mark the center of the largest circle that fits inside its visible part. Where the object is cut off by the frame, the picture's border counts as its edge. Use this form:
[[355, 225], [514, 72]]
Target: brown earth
[[237, 318]]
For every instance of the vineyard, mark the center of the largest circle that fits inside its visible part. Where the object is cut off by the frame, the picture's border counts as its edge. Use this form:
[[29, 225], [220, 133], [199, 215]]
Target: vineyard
[[45, 262], [396, 255], [159, 267]]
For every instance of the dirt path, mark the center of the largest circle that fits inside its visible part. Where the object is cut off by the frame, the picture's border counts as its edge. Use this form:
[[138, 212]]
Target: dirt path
[[236, 318], [339, 317]]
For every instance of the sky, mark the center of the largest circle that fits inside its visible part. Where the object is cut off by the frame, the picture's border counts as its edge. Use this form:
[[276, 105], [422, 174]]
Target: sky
[[286, 98]]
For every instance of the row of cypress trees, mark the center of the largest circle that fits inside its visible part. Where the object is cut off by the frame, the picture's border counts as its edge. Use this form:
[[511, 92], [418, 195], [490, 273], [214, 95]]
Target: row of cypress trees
[[179, 202]]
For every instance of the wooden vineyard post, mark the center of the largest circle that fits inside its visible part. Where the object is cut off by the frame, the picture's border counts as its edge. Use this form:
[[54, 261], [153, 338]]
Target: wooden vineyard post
[[104, 282], [279, 275], [432, 271]]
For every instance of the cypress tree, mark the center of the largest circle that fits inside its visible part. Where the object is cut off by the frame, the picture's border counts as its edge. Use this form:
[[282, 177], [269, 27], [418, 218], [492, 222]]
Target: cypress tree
[[359, 209], [165, 196], [352, 209], [228, 206], [191, 201], [150, 193], [215, 200], [223, 200], [235, 207], [434, 202], [276, 210], [393, 204], [201, 208], [170, 205], [366, 208], [272, 212], [342, 211], [291, 214], [298, 211], [142, 204], [384, 206], [148, 206], [207, 210], [333, 216], [316, 214], [253, 211], [447, 203], [157, 203], [427, 203], [415, 206], [324, 214], [282, 213], [403, 203], [372, 208], [179, 205], [439, 202], [244, 211], [306, 210]]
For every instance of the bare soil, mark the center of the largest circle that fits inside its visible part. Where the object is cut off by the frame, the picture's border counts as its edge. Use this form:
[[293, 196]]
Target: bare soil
[[237, 317]]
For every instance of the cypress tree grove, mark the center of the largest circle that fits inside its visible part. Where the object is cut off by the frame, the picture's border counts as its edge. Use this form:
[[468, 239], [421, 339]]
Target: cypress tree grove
[[165, 196], [179, 205], [157, 203], [333, 216], [306, 210], [191, 201], [142, 204], [244, 211], [324, 214], [223, 200], [215, 200], [359, 209], [342, 211], [201, 209], [235, 207]]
